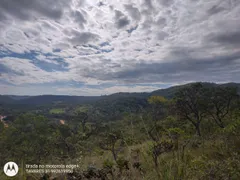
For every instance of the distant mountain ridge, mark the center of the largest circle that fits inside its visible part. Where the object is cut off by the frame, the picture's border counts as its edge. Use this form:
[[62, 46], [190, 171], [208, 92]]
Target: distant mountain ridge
[[47, 99], [169, 92], [50, 99]]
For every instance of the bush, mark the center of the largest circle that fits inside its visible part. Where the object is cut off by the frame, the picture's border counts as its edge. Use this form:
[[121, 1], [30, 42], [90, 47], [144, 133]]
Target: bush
[[108, 164], [122, 164]]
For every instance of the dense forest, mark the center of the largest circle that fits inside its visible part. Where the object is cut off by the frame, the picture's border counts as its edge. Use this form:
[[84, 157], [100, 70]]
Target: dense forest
[[188, 132]]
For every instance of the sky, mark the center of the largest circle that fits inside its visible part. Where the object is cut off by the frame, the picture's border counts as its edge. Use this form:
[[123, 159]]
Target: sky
[[98, 47]]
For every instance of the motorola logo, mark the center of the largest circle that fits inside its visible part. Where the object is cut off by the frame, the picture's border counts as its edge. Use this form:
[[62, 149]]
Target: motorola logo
[[10, 169]]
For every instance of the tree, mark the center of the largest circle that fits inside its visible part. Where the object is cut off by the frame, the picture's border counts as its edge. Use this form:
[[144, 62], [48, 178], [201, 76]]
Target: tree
[[28, 138], [159, 110], [63, 140], [1, 126], [219, 103], [159, 105], [82, 117], [190, 104], [159, 148], [110, 143]]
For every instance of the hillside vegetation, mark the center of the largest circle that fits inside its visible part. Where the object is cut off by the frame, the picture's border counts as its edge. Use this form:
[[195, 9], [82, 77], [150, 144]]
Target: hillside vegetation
[[189, 132]]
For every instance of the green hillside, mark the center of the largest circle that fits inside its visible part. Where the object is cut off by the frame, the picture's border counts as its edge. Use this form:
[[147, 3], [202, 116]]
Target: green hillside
[[188, 132]]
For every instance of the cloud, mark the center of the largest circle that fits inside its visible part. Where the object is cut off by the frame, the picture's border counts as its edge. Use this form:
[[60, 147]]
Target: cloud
[[121, 20], [7, 89], [23, 71], [79, 18], [161, 35], [81, 91], [227, 38], [122, 43], [82, 37], [133, 12], [189, 68], [27, 9], [166, 2], [148, 3], [215, 9]]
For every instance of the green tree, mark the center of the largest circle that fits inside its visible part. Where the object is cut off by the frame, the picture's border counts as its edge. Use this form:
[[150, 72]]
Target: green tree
[[28, 138], [220, 102], [159, 106], [81, 117], [113, 141], [190, 104], [1, 127]]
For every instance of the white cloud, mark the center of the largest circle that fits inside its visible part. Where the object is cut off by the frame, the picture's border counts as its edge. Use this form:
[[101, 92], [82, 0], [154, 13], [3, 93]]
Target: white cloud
[[136, 32]]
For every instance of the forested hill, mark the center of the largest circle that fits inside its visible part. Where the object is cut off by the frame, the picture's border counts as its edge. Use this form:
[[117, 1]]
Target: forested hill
[[51, 99], [169, 92], [47, 99]]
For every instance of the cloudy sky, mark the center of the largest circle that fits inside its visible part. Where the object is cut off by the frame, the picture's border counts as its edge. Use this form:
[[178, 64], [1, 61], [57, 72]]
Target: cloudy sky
[[91, 47]]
